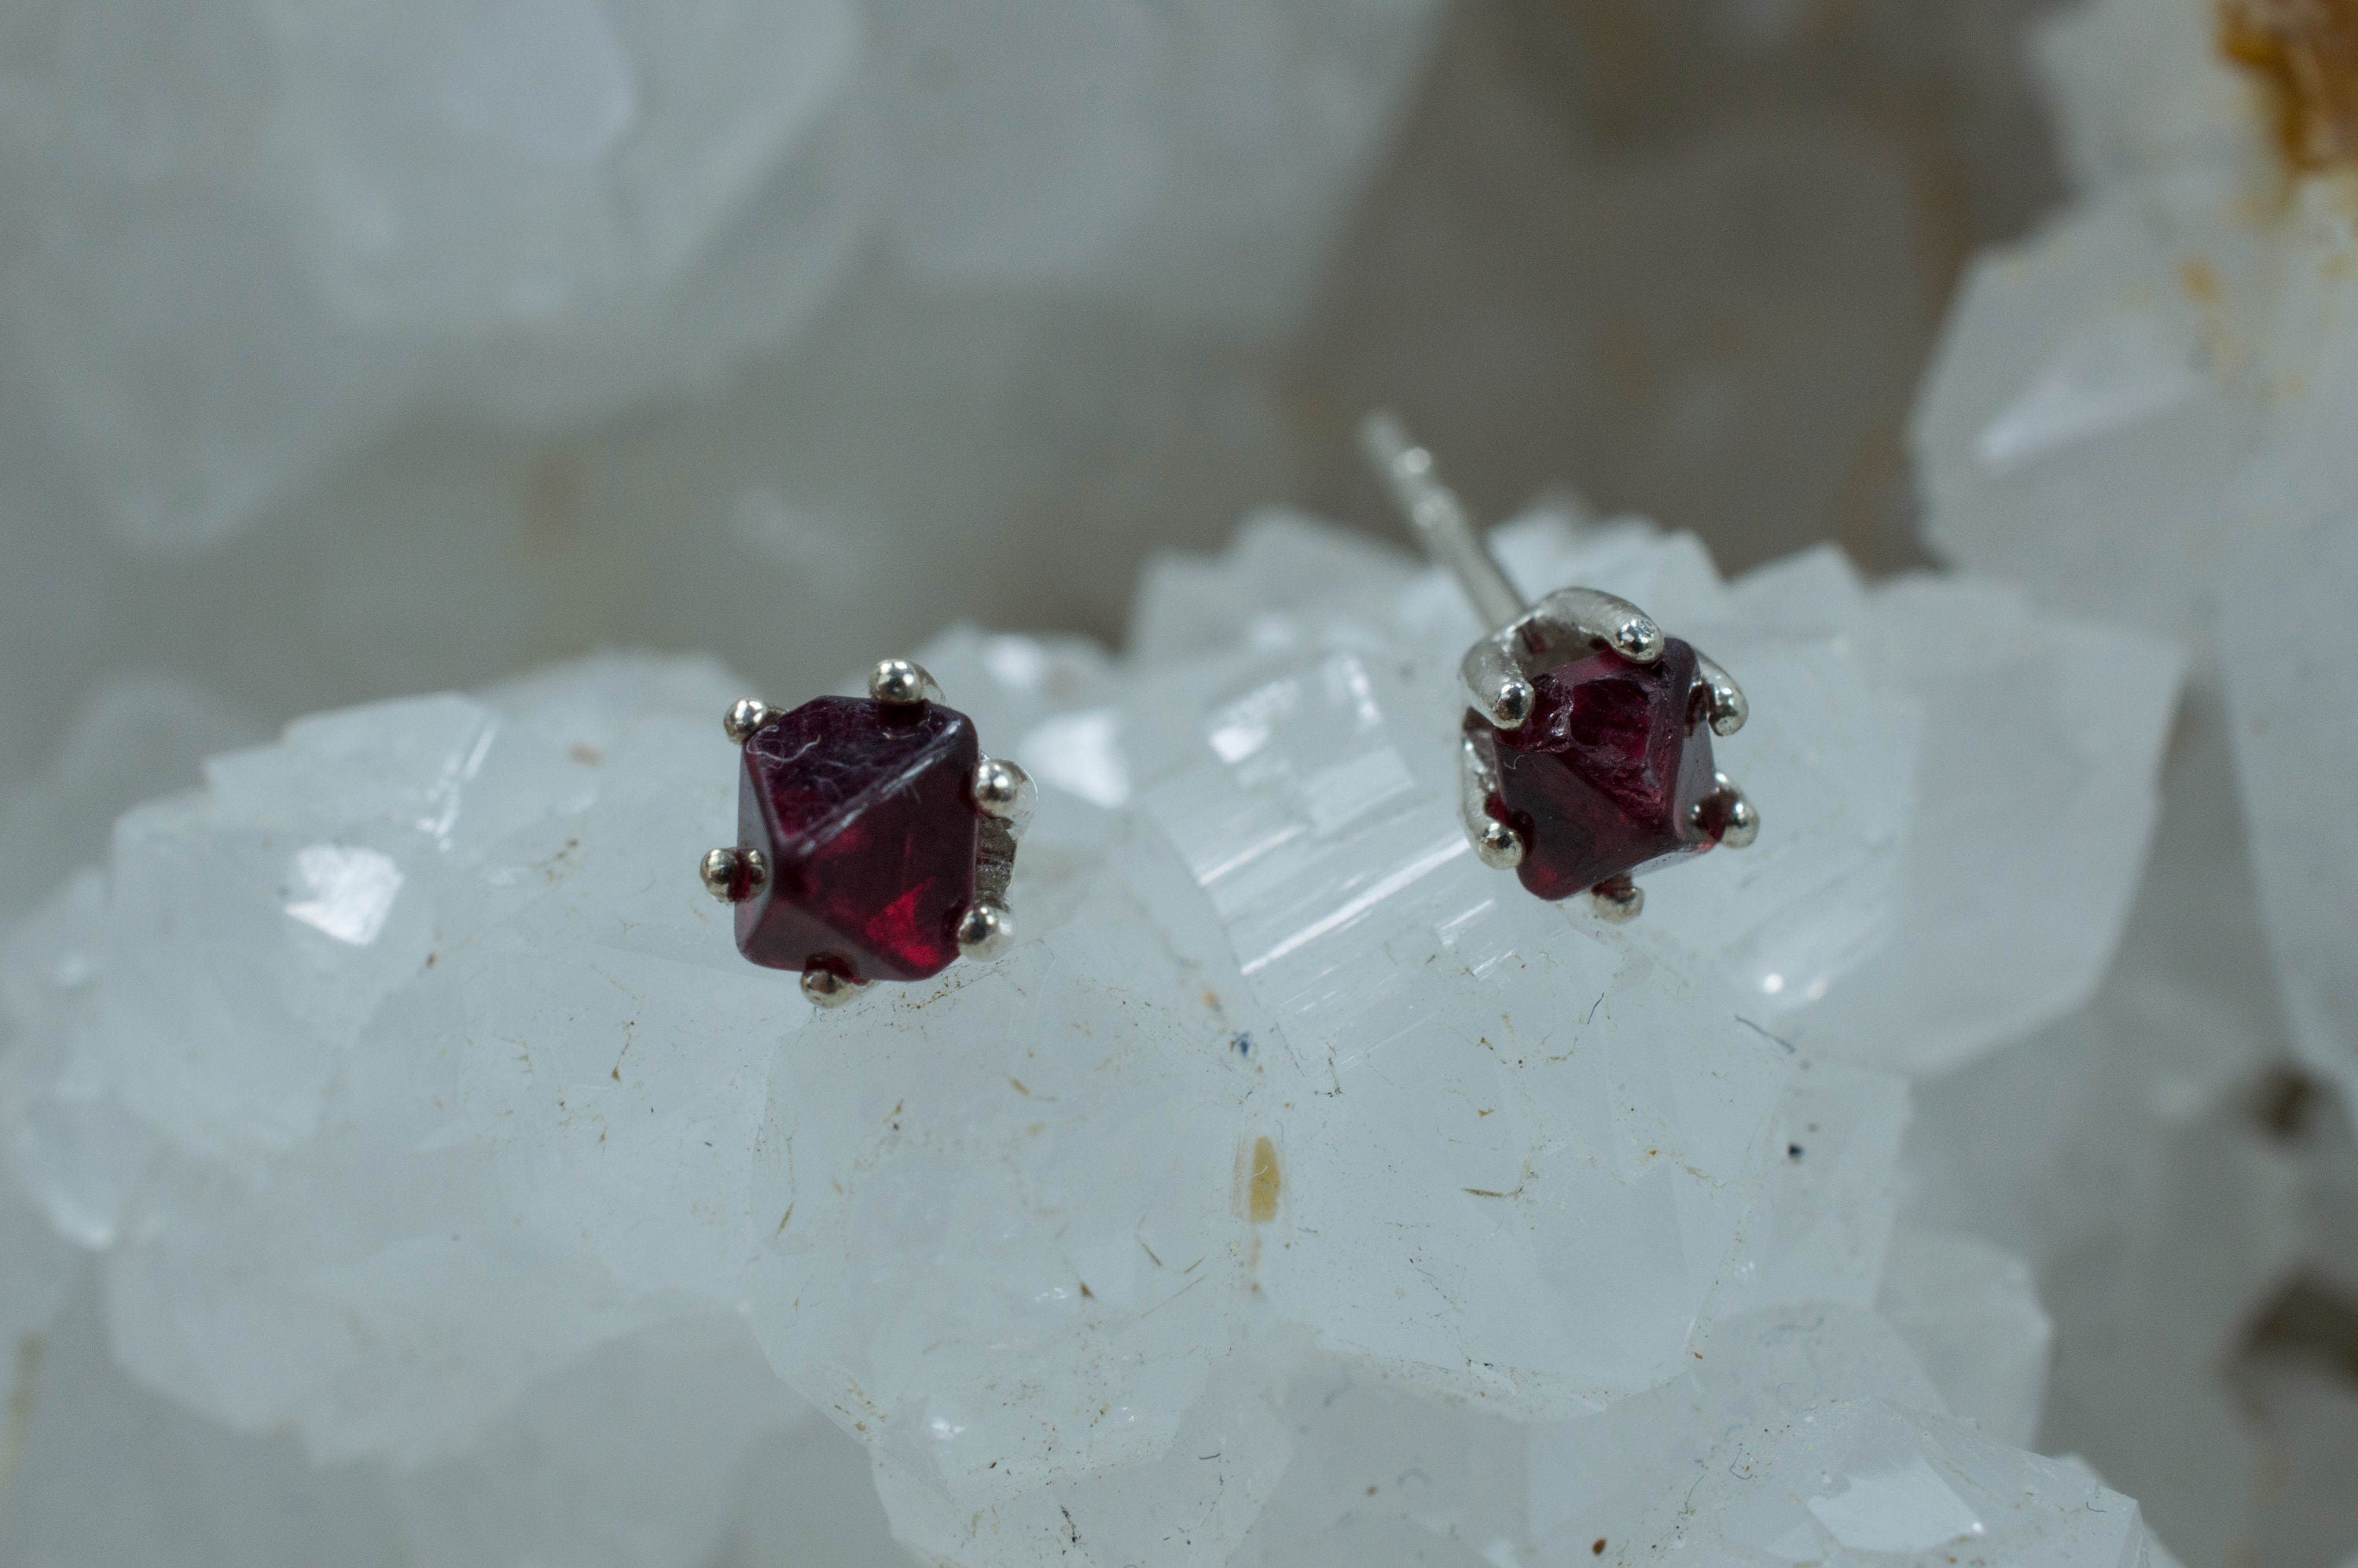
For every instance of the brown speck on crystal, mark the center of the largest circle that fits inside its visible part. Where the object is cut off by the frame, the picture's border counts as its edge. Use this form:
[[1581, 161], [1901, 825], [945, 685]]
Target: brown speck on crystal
[[1261, 1180], [2306, 53]]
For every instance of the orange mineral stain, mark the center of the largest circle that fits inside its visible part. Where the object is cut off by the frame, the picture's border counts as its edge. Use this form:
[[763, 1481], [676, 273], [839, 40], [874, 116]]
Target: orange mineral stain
[[2306, 53], [1261, 1183]]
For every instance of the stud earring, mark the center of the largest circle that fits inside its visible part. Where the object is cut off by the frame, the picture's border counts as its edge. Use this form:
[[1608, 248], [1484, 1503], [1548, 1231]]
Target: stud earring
[[1585, 757], [874, 839]]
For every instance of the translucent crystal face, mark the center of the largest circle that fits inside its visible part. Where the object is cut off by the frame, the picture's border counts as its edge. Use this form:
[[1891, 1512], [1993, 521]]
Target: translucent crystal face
[[416, 1114], [1608, 775], [864, 813]]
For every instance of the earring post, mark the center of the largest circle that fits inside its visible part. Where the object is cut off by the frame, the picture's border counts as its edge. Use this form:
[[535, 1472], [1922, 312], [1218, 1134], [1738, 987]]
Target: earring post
[[1440, 519]]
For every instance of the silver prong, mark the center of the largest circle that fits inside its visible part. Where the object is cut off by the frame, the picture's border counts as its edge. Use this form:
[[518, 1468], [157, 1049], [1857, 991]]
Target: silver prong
[[732, 875], [1439, 518], [902, 683], [745, 716], [824, 988], [1005, 796], [1728, 707], [1005, 791], [1618, 898], [1725, 805], [985, 930], [1589, 617], [1639, 640], [1495, 683], [1499, 846], [1495, 843]]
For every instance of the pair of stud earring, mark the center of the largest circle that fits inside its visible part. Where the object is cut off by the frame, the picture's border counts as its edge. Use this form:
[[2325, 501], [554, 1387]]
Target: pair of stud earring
[[875, 841]]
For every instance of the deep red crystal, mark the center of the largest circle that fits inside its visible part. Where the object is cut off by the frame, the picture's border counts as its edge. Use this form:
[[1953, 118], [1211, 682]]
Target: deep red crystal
[[865, 813], [1604, 776]]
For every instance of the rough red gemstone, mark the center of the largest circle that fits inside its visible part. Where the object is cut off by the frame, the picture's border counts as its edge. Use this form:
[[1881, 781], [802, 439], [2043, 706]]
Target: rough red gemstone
[[1604, 778], [866, 814]]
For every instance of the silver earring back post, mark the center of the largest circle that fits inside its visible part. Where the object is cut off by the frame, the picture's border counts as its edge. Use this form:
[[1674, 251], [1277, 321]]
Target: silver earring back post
[[1440, 519], [1510, 816]]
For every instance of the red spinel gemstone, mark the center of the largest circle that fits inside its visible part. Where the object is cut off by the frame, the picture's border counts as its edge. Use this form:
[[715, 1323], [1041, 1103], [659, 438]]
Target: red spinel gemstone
[[865, 813], [1606, 776]]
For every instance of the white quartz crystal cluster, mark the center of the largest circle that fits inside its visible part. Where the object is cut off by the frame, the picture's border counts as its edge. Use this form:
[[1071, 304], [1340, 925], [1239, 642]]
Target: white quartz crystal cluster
[[2144, 412], [398, 1165], [403, 1166]]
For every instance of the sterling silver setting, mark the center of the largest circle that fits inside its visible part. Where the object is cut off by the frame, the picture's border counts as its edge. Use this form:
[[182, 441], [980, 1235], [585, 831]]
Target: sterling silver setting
[[1004, 799], [1525, 641], [824, 988]]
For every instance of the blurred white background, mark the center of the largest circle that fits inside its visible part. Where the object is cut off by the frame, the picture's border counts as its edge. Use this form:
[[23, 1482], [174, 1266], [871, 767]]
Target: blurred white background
[[356, 350]]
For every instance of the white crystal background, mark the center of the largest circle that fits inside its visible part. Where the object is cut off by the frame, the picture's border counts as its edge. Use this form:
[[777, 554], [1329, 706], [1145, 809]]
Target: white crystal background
[[398, 1165]]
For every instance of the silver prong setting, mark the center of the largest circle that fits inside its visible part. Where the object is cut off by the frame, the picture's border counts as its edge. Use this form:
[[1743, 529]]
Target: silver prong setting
[[986, 930], [1509, 701], [1728, 707], [1498, 671], [1513, 702], [1495, 684], [745, 718], [902, 683], [733, 874], [1004, 799], [824, 988], [1738, 820], [1524, 644], [1618, 898], [1573, 618], [1497, 846], [1639, 640], [1005, 791]]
